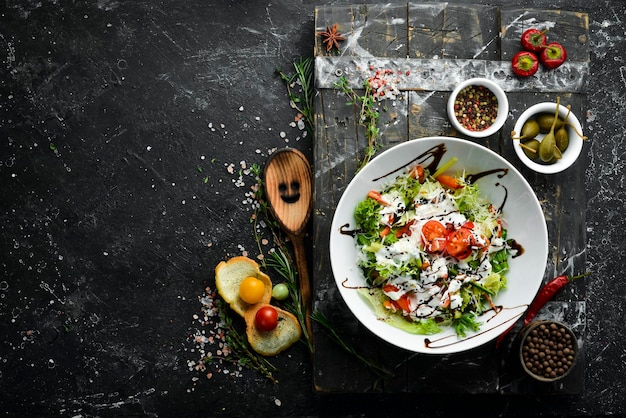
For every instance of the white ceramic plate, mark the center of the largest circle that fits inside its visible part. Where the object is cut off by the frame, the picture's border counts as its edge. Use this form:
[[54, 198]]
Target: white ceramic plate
[[525, 223]]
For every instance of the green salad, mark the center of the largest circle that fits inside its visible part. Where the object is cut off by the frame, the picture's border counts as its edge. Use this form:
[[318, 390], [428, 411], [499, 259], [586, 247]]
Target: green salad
[[433, 251]]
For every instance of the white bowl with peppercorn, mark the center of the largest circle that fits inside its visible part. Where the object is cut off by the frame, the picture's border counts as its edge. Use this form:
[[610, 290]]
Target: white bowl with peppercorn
[[531, 130], [478, 108]]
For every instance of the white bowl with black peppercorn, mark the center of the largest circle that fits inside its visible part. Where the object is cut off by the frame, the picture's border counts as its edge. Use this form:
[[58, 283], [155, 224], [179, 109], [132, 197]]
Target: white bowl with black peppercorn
[[478, 108], [530, 132]]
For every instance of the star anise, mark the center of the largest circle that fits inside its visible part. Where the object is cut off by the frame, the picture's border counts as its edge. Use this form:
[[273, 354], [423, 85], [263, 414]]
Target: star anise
[[331, 37]]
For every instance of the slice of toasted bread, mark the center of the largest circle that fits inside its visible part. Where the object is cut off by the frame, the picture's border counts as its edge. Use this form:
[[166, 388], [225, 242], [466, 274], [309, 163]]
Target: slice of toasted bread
[[270, 343], [228, 277]]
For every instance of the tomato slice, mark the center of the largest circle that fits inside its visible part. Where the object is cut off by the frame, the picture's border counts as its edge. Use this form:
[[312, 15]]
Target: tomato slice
[[390, 288], [459, 243], [403, 303], [434, 236], [405, 230], [418, 173]]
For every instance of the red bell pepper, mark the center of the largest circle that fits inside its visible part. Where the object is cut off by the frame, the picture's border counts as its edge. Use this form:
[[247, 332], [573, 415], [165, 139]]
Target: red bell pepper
[[553, 55], [524, 64], [533, 40]]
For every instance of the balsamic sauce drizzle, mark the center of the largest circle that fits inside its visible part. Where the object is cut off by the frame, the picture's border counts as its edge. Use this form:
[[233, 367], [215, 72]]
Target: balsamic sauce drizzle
[[343, 230], [436, 153], [428, 343], [352, 287], [473, 178]]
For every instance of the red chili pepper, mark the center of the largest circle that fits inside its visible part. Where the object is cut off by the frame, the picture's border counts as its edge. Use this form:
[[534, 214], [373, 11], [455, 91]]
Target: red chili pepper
[[553, 55], [545, 294], [524, 64], [534, 40]]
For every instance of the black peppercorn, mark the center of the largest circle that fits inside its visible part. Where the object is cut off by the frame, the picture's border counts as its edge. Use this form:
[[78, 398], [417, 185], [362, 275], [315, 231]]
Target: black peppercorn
[[548, 350]]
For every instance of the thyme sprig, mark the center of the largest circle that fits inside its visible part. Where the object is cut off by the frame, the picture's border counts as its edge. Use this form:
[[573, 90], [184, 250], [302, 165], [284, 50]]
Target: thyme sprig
[[241, 353], [369, 116], [301, 100]]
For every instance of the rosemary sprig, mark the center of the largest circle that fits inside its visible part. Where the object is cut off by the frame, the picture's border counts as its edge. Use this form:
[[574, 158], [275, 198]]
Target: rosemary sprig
[[282, 263], [240, 348], [368, 116], [379, 370], [302, 101]]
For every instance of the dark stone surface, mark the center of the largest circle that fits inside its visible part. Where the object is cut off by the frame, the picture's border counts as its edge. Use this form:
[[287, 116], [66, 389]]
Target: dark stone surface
[[123, 129]]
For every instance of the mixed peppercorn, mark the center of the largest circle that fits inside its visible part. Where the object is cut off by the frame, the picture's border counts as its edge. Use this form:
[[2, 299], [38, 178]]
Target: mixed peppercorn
[[476, 108]]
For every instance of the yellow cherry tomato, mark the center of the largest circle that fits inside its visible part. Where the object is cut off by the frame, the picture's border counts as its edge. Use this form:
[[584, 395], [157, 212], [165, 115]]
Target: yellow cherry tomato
[[251, 290]]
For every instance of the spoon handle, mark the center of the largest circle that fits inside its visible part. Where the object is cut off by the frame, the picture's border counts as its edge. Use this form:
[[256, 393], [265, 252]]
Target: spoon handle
[[303, 280]]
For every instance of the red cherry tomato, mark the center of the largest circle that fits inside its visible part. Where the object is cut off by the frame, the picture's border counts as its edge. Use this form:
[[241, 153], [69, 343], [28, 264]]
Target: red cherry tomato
[[266, 318]]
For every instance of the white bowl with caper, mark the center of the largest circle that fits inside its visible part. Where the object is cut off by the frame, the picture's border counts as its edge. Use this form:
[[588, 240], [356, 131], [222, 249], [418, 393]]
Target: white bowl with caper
[[541, 150]]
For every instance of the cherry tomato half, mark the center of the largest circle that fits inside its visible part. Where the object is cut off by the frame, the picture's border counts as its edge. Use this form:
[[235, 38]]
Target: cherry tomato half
[[251, 290], [459, 243], [266, 318], [434, 236]]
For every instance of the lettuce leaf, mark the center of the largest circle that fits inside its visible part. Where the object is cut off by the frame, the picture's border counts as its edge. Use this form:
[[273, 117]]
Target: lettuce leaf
[[375, 298]]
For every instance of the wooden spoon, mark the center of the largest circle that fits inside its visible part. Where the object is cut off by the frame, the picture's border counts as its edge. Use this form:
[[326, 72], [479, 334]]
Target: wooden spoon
[[289, 191]]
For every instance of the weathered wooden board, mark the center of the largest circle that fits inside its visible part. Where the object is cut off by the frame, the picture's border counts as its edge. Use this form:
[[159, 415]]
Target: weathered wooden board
[[430, 48]]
